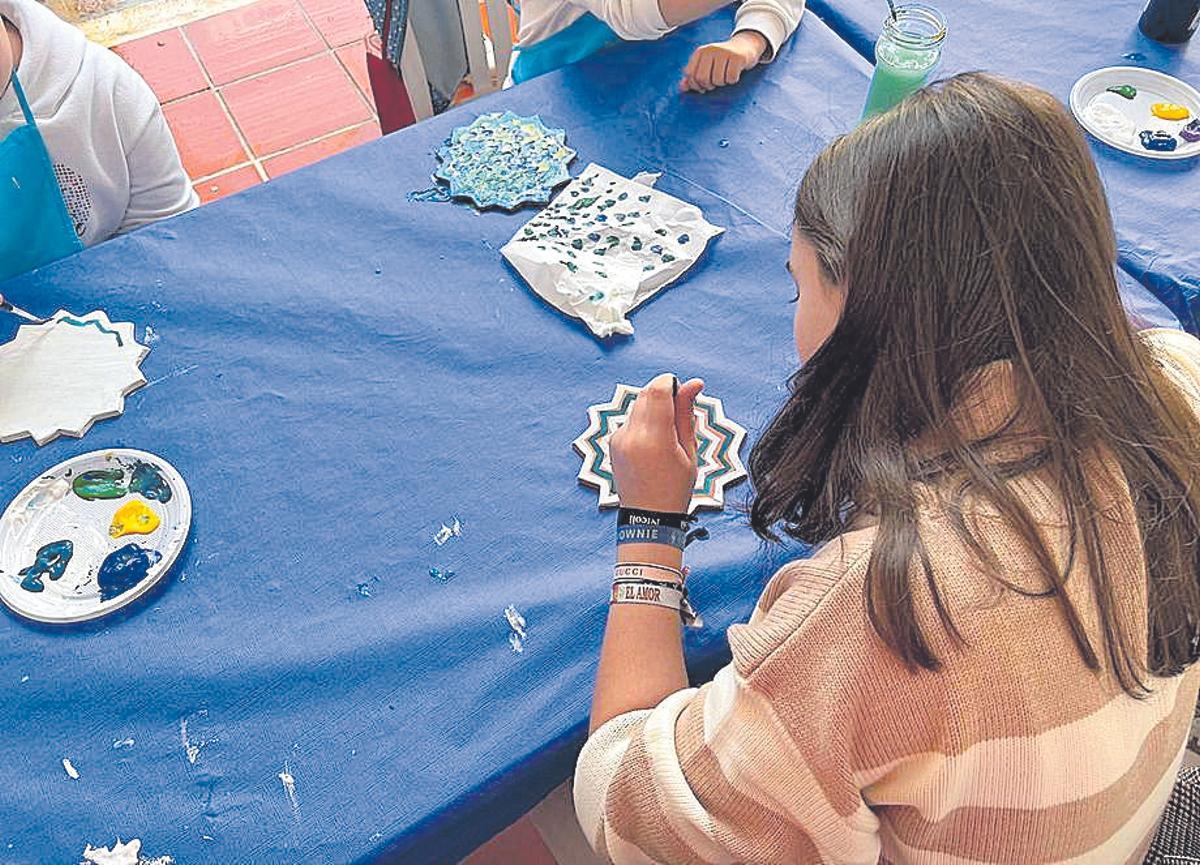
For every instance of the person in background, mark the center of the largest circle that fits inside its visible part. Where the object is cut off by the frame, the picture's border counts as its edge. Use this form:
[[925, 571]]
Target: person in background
[[554, 33], [85, 152], [990, 655]]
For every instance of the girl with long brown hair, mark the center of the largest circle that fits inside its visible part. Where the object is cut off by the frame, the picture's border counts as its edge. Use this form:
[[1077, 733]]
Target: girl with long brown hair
[[989, 657]]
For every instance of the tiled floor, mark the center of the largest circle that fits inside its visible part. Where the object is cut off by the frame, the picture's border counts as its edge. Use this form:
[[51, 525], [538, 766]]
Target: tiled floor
[[261, 90]]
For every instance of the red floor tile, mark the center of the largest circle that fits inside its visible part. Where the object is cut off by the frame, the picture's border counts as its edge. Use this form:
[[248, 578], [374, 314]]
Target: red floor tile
[[227, 183], [295, 104], [520, 842], [306, 154], [340, 21], [206, 139], [253, 39], [354, 58], [166, 62]]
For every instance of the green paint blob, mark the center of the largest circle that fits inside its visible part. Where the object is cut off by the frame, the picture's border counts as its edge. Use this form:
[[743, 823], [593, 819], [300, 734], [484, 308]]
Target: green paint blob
[[1128, 91], [100, 484]]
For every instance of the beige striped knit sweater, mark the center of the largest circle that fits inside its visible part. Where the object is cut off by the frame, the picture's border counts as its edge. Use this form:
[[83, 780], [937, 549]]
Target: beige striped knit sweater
[[816, 745]]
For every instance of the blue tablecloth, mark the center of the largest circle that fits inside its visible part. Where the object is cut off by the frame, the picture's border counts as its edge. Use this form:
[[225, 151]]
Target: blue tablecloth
[[1156, 205], [339, 371]]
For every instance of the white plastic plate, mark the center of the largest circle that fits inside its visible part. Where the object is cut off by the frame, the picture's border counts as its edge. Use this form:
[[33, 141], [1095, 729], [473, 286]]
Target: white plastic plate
[[50, 513], [1151, 87]]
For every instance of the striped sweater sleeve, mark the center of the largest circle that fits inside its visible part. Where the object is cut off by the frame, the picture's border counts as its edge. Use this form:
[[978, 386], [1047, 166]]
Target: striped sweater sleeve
[[714, 776], [1179, 355]]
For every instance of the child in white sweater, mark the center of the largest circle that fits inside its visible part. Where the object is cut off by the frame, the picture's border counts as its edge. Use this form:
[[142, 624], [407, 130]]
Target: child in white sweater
[[557, 32], [85, 152]]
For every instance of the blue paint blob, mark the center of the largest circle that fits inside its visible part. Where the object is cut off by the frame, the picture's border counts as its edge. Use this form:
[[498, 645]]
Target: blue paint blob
[[124, 569], [723, 143], [1164, 142], [147, 480], [74, 322], [433, 193], [51, 562]]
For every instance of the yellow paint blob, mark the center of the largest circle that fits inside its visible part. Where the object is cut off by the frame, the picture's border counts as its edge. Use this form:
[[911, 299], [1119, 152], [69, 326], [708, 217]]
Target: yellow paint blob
[[134, 518], [1170, 111]]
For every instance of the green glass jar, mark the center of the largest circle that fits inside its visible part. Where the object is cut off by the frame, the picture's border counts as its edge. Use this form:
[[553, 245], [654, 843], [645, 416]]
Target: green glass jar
[[906, 54]]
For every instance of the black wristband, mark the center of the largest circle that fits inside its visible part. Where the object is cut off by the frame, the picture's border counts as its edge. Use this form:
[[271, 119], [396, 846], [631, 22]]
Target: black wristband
[[639, 517]]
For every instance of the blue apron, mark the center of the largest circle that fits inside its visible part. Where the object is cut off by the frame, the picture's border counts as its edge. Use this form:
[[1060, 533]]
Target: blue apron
[[582, 39], [35, 228]]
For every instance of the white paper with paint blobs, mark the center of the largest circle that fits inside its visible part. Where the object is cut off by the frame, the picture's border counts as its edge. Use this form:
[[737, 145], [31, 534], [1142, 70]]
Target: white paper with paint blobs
[[606, 245], [60, 377]]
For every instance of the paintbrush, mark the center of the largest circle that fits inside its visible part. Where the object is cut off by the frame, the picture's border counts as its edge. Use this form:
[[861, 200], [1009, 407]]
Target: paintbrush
[[6, 305], [892, 6]]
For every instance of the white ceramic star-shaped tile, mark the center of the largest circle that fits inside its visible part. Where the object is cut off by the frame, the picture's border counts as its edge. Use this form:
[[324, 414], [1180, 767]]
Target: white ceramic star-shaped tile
[[60, 377], [718, 445]]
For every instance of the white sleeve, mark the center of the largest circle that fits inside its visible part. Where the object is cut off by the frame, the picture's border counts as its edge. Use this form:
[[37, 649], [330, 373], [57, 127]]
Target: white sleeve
[[776, 20], [158, 185], [629, 19]]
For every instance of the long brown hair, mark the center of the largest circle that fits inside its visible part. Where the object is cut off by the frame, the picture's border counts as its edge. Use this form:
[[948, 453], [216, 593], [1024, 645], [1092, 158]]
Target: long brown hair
[[968, 226]]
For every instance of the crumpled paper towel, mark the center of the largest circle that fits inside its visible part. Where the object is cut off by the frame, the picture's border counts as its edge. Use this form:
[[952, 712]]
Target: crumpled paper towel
[[606, 244]]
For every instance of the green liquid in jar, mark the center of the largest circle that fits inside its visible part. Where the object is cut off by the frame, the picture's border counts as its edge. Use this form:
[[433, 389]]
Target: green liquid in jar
[[899, 72], [906, 54]]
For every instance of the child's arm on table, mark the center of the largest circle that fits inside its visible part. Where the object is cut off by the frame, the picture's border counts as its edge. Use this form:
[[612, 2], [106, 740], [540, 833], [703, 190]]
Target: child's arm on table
[[760, 29]]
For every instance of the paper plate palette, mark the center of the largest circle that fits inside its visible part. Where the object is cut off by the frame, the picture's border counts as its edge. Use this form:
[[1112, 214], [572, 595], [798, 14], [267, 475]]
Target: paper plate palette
[[1117, 105], [718, 448], [91, 535], [504, 160]]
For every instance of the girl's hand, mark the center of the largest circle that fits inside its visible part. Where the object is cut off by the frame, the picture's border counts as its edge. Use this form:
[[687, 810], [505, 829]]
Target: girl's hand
[[654, 453], [721, 63]]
